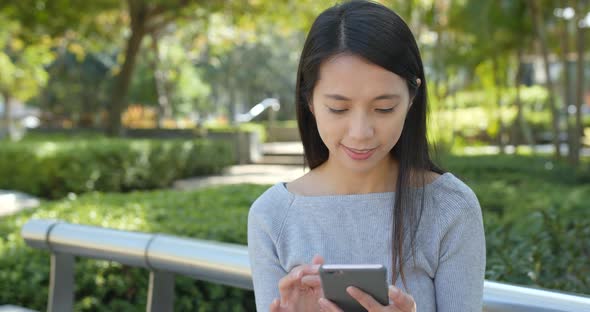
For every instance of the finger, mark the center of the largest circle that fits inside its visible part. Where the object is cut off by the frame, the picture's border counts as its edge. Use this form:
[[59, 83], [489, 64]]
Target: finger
[[310, 269], [274, 306], [317, 259], [402, 300], [293, 279], [328, 306], [311, 281], [287, 283], [363, 298]]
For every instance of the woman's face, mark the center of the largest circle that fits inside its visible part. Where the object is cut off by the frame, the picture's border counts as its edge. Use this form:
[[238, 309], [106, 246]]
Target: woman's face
[[360, 110]]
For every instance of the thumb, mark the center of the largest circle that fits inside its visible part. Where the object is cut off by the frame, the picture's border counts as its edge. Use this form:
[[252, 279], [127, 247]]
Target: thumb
[[317, 259]]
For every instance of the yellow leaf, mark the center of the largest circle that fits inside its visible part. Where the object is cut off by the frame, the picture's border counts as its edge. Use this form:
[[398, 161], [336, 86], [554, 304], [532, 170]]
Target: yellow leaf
[[77, 50], [17, 44]]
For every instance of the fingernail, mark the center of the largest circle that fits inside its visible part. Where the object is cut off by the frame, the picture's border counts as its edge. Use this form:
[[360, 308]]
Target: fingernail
[[394, 289], [322, 302]]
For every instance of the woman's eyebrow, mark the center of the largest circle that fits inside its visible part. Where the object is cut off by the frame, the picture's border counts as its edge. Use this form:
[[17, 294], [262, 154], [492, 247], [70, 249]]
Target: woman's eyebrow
[[386, 96]]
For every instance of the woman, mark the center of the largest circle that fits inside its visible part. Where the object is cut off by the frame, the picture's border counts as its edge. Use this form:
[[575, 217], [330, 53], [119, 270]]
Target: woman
[[373, 195]]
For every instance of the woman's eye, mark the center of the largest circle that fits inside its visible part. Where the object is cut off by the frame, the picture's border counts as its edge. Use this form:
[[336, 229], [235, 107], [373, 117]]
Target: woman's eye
[[337, 111], [385, 110]]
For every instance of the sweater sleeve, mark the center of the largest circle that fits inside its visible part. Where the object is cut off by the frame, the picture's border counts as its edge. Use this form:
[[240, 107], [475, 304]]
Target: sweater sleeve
[[462, 256], [264, 226]]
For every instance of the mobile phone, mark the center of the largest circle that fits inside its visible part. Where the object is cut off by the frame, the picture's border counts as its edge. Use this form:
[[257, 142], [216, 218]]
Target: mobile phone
[[370, 278]]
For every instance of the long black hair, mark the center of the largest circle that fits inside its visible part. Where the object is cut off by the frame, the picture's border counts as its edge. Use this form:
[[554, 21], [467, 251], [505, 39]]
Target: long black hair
[[379, 35]]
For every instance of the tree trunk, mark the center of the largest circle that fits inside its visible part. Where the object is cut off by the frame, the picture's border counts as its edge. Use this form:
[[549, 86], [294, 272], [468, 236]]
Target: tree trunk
[[578, 128], [522, 125], [540, 30], [164, 109], [119, 97], [48, 117], [498, 99], [516, 134], [88, 100], [438, 82], [232, 108], [567, 98], [7, 121]]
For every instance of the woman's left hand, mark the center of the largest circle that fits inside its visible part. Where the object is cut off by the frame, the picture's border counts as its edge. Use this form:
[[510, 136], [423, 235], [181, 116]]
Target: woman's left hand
[[400, 301]]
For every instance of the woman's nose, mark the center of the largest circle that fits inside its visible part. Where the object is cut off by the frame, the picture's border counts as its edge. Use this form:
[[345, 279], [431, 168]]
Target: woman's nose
[[361, 127]]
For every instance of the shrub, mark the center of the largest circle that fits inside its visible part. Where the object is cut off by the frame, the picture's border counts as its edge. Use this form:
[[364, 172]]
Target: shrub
[[214, 214], [54, 169], [536, 219], [535, 216], [256, 127]]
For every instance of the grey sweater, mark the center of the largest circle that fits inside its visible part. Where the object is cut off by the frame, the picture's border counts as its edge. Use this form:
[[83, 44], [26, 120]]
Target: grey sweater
[[286, 229]]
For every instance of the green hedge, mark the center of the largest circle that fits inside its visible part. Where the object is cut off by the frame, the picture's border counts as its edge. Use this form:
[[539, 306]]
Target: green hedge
[[257, 127], [213, 214], [535, 214], [54, 169], [536, 219]]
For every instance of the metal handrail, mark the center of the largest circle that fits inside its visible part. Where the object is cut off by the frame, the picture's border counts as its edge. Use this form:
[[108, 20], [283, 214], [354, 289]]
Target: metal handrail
[[222, 263], [258, 109]]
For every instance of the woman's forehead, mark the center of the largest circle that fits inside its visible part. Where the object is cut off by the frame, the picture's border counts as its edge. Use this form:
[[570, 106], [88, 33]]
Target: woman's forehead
[[352, 73]]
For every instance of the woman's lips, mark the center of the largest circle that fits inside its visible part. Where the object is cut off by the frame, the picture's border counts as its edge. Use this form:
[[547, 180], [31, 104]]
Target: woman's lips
[[358, 154]]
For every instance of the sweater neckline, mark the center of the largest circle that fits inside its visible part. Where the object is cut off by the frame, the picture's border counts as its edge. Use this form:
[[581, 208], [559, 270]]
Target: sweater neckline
[[434, 184]]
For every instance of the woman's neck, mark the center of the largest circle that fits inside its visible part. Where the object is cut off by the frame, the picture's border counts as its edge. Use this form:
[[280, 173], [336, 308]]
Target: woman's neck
[[382, 178]]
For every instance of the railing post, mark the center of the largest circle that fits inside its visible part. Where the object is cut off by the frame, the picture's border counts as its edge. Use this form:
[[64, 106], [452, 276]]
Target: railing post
[[161, 292], [61, 283]]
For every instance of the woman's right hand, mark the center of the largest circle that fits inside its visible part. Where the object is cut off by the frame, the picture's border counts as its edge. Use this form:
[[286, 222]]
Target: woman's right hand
[[301, 289]]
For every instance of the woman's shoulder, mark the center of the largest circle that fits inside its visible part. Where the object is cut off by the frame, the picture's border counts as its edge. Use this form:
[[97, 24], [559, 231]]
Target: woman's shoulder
[[272, 204], [452, 198], [450, 186], [305, 185]]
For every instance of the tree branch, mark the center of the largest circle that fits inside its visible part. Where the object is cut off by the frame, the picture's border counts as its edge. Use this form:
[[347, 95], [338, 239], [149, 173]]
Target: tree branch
[[155, 11], [161, 9], [154, 27]]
